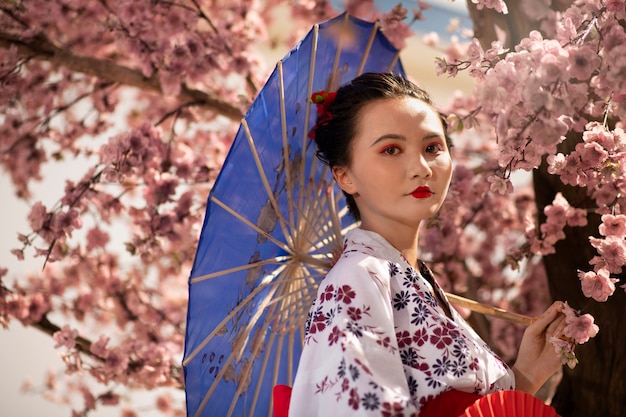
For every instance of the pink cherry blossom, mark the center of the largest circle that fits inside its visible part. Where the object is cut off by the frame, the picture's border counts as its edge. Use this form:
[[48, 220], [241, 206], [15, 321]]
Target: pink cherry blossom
[[597, 285], [582, 62], [613, 225], [431, 39], [38, 216], [580, 328], [99, 347], [500, 185], [65, 337], [613, 252], [565, 349], [97, 238], [497, 5]]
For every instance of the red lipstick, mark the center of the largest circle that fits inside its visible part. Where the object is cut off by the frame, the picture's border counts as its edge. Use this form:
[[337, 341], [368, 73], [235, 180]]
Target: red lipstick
[[422, 192]]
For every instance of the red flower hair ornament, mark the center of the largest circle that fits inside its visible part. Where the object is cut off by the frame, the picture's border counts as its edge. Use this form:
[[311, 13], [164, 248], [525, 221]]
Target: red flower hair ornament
[[322, 101]]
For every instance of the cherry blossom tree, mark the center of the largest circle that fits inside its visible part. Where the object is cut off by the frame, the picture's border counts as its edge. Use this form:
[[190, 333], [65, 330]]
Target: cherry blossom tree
[[550, 93], [150, 93]]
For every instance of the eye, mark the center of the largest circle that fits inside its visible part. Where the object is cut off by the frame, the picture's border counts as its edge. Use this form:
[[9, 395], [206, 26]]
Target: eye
[[391, 150], [434, 148]]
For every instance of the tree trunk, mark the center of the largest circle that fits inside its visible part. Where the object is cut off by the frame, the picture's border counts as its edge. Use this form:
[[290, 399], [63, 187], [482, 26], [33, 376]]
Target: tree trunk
[[597, 385]]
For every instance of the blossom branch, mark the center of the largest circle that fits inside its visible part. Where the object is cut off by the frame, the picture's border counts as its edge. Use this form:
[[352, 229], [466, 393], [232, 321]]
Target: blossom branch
[[42, 47], [84, 345], [250, 82]]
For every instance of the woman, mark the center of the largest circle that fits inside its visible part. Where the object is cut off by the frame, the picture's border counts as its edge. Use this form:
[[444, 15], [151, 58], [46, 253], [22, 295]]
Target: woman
[[381, 338]]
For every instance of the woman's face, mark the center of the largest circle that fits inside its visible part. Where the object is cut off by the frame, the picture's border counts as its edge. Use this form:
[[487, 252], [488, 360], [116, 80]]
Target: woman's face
[[400, 166]]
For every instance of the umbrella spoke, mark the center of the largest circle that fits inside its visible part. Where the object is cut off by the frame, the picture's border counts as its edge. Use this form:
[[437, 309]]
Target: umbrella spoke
[[330, 86], [218, 378], [307, 111], [276, 370], [240, 305], [245, 374], [313, 215], [288, 277], [286, 147], [323, 223], [291, 358], [278, 243], [266, 358], [274, 317], [266, 184], [252, 265], [334, 215], [368, 48], [298, 291]]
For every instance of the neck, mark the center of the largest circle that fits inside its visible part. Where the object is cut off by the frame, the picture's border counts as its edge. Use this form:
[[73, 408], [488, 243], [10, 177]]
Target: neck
[[403, 238]]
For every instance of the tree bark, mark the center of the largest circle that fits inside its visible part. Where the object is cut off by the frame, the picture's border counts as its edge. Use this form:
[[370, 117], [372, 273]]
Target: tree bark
[[596, 386]]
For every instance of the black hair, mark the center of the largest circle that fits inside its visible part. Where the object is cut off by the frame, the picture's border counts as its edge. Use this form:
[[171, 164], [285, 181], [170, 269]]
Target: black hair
[[334, 134]]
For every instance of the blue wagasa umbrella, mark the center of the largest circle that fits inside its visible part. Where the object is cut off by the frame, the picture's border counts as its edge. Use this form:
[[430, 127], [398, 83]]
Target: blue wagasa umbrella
[[274, 225]]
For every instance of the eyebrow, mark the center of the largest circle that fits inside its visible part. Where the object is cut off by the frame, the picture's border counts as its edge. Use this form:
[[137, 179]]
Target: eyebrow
[[428, 136]]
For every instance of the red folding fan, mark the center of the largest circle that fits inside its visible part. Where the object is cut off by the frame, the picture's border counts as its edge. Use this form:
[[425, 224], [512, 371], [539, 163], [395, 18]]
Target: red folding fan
[[509, 404]]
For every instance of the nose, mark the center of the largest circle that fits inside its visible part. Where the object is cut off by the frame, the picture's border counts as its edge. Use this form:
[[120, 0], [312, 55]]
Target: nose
[[420, 168]]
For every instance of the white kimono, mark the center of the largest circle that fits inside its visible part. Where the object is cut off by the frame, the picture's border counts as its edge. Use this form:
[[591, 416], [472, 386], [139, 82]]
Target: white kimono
[[378, 344]]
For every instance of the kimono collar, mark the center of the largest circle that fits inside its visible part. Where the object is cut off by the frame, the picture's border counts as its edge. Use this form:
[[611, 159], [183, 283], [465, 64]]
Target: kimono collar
[[373, 244]]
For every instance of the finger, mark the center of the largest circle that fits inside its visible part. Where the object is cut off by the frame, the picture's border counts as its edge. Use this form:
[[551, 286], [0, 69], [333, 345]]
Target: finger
[[542, 322], [557, 327], [559, 321]]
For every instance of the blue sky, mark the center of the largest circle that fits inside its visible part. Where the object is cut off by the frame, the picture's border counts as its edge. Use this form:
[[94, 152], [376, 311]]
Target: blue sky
[[437, 18]]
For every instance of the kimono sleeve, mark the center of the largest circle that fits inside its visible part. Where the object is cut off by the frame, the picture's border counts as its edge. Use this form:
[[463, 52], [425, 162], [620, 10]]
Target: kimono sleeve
[[350, 364]]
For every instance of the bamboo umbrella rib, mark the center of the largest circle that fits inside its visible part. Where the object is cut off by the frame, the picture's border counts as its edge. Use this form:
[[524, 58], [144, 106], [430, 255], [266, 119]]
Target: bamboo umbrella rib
[[315, 218], [306, 234], [312, 187], [290, 360], [332, 204], [219, 377], [368, 47], [311, 234], [307, 203], [276, 368], [327, 242], [312, 223], [280, 283], [333, 73], [266, 185], [307, 109], [321, 220], [286, 283], [477, 307], [297, 295], [266, 358], [286, 147], [266, 302], [257, 391], [275, 260], [247, 368], [312, 172], [278, 243], [229, 316], [393, 61]]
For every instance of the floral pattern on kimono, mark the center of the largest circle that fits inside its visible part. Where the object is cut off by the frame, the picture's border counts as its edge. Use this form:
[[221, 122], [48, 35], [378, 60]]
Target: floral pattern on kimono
[[377, 342]]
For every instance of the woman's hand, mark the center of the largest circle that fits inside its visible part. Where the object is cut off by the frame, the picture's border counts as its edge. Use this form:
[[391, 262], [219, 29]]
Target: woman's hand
[[537, 359]]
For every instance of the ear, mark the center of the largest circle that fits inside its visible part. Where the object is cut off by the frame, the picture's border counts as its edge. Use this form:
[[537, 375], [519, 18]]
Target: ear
[[344, 180]]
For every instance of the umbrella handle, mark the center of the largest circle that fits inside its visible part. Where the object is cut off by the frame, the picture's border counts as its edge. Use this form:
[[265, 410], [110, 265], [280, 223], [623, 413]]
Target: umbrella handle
[[477, 307]]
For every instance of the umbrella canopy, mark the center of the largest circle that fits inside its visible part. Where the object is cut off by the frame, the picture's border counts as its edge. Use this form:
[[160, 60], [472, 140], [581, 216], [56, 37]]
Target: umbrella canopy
[[274, 225]]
